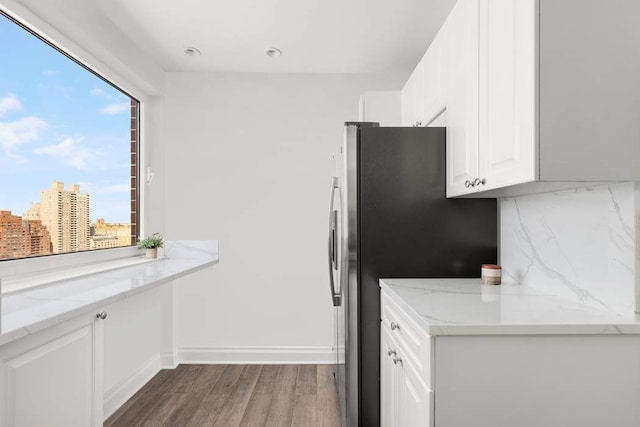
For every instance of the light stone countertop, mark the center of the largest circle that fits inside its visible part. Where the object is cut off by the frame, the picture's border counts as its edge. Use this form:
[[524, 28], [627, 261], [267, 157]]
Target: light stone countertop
[[466, 307], [27, 312]]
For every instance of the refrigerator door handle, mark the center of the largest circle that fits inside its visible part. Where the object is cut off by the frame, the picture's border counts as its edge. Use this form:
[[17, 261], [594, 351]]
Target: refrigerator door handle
[[333, 215], [334, 240]]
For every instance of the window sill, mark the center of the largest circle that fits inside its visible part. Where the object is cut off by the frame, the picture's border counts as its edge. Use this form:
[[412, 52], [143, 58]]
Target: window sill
[[23, 282], [32, 310], [47, 264]]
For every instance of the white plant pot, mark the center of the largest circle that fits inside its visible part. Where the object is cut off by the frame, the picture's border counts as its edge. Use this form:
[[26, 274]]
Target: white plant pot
[[152, 253]]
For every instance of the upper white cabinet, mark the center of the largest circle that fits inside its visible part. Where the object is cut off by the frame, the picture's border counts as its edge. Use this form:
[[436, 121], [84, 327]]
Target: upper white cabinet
[[507, 101], [461, 58], [538, 94], [501, 148], [411, 99], [434, 79], [423, 96], [559, 95], [589, 88]]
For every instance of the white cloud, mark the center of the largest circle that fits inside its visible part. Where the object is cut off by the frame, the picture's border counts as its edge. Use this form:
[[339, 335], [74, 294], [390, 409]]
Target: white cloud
[[15, 133], [49, 73], [117, 104], [21, 131], [9, 103], [70, 151], [116, 108]]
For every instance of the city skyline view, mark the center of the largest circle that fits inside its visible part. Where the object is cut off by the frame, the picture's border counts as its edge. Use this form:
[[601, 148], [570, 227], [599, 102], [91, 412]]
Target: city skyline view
[[59, 122], [59, 223]]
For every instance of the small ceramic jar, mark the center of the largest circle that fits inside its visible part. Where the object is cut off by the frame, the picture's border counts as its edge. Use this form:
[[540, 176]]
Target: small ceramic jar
[[491, 274]]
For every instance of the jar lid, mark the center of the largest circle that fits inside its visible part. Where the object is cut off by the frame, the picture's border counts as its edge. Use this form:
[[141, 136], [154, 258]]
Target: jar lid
[[492, 266]]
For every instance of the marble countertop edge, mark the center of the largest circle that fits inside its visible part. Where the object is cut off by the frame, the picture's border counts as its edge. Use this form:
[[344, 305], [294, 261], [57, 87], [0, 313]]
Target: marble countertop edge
[[550, 329], [439, 327]]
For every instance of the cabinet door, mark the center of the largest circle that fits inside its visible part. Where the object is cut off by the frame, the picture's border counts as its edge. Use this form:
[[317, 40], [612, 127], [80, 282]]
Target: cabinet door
[[462, 96], [415, 400], [411, 99], [53, 379], [433, 80], [406, 103], [388, 381], [508, 101]]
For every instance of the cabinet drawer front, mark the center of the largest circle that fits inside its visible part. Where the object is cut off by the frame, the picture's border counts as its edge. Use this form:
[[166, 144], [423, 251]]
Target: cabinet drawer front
[[415, 399], [388, 380], [413, 342]]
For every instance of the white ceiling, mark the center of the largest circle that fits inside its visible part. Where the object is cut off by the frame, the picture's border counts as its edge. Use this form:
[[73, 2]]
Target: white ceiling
[[314, 35]]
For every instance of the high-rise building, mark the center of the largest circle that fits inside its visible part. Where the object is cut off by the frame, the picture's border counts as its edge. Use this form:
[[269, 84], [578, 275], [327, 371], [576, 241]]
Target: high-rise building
[[121, 231], [65, 213], [14, 240], [104, 242], [21, 238], [33, 213], [39, 238]]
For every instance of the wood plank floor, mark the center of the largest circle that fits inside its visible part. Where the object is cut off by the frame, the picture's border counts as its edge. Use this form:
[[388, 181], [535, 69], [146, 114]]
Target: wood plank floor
[[234, 395]]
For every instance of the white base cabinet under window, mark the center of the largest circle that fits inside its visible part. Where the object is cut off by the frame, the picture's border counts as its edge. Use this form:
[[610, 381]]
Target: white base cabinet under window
[[551, 380], [54, 377]]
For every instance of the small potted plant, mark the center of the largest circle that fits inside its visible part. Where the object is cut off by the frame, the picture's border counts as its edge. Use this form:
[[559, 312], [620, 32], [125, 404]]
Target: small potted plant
[[151, 245]]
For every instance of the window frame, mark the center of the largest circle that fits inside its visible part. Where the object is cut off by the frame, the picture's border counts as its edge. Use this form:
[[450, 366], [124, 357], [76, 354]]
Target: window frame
[[40, 265]]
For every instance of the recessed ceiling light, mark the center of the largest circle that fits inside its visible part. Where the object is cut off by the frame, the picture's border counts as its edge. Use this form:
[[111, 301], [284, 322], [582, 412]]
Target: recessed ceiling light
[[273, 52], [191, 51]]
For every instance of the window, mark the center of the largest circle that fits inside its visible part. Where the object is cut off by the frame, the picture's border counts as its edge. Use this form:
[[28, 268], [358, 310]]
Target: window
[[68, 152]]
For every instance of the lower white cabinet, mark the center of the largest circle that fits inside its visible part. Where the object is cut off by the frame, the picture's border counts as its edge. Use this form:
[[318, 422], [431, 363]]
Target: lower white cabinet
[[405, 399], [388, 380], [415, 400], [491, 380], [54, 377]]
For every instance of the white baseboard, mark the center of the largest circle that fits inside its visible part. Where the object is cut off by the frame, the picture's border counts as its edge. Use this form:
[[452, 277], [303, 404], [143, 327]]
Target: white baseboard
[[117, 395], [169, 360], [257, 355]]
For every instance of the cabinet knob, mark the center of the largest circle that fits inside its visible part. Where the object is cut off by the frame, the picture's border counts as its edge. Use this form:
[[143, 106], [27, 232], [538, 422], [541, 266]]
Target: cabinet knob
[[397, 360], [390, 351], [468, 184], [479, 181], [418, 123], [394, 326], [102, 315]]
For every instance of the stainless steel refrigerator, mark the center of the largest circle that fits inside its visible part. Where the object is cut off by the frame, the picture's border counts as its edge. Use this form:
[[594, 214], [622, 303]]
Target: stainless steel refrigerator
[[389, 217]]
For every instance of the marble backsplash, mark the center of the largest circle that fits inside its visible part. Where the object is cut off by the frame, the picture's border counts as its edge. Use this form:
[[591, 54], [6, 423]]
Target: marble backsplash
[[578, 243]]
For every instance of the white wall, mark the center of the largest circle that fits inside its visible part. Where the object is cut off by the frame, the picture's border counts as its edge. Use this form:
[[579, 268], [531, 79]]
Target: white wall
[[381, 106], [577, 243], [249, 159]]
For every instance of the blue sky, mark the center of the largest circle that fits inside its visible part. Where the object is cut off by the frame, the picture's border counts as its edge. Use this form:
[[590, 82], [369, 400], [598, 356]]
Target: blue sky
[[59, 122]]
